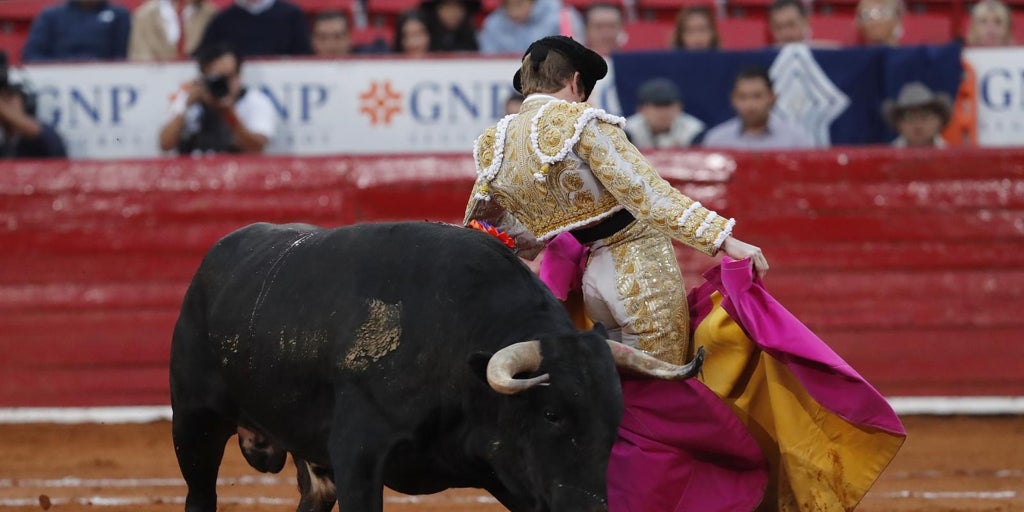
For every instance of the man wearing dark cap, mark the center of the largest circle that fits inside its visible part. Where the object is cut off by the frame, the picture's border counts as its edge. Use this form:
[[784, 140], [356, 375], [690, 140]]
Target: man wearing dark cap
[[659, 121], [563, 168]]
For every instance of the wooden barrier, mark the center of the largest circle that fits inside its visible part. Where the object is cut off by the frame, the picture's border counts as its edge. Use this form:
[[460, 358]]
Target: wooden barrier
[[911, 264]]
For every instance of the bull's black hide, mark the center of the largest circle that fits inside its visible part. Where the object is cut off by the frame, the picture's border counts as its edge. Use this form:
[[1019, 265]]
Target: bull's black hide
[[362, 351]]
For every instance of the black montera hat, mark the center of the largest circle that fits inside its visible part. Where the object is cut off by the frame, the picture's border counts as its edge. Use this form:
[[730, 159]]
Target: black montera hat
[[590, 65]]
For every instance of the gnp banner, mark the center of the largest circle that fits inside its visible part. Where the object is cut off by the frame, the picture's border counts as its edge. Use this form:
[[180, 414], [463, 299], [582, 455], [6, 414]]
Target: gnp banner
[[999, 75], [360, 106]]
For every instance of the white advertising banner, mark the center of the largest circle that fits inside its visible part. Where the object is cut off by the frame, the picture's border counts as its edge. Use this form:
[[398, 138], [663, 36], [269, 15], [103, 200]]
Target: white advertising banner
[[1000, 88], [361, 106]]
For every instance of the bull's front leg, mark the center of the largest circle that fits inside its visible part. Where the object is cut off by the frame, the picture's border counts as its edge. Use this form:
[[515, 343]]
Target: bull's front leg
[[199, 439], [358, 446]]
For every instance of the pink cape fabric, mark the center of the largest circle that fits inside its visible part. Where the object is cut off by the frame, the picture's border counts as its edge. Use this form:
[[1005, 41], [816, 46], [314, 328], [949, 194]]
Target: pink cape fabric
[[680, 446], [824, 375], [563, 264]]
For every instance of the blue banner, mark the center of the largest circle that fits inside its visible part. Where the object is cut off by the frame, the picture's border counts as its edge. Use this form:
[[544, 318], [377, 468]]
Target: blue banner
[[836, 95]]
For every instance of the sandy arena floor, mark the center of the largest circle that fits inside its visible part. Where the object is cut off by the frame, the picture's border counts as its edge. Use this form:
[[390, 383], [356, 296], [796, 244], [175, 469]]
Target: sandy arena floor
[[948, 464]]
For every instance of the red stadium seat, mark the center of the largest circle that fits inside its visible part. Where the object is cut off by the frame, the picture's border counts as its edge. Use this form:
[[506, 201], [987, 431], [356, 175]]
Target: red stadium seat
[[12, 43], [648, 35], [666, 10], [926, 29], [23, 10], [840, 29], [315, 6], [390, 7], [582, 5], [743, 33], [748, 8], [1018, 26]]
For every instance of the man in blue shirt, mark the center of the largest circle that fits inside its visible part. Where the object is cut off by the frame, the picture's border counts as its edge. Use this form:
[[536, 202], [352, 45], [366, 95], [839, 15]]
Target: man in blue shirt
[[79, 30], [755, 127], [255, 28]]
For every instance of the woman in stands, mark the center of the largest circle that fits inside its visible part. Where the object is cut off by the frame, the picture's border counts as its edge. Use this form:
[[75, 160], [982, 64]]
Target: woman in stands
[[412, 37], [695, 30], [450, 23], [990, 25]]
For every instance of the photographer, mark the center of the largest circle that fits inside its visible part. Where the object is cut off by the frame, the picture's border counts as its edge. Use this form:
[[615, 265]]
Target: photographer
[[215, 114], [21, 135]]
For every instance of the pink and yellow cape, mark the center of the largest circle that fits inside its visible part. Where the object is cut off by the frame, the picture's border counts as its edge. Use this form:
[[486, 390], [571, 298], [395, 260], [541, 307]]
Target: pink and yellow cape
[[777, 422]]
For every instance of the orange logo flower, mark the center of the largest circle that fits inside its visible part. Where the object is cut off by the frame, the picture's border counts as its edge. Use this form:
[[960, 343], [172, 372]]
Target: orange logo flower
[[380, 103]]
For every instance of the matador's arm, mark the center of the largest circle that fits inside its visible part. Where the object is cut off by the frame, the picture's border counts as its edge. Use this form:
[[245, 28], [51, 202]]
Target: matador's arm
[[637, 186]]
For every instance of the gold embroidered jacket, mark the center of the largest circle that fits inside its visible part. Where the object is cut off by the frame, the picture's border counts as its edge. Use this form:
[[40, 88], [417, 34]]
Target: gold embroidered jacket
[[558, 166]]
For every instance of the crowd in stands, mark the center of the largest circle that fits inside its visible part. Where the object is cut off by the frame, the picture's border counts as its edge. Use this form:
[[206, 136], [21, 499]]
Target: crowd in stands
[[215, 113]]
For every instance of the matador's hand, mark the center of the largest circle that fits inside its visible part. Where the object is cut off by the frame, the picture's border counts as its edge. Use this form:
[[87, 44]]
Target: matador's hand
[[739, 250]]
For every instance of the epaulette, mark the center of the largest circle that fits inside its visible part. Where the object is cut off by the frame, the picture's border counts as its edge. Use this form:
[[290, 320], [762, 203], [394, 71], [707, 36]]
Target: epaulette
[[558, 125]]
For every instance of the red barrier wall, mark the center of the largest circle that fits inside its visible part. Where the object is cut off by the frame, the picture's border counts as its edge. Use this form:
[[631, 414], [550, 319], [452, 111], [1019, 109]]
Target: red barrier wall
[[911, 266]]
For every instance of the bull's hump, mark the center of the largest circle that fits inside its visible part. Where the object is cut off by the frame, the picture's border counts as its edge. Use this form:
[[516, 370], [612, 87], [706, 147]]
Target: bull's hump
[[378, 336]]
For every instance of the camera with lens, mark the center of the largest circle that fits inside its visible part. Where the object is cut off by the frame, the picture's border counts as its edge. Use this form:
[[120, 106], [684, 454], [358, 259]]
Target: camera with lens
[[217, 85]]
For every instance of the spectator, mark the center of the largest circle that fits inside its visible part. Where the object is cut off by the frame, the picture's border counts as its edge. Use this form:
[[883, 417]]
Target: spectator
[[918, 115], [157, 32], [695, 30], [787, 22], [215, 114], [512, 27], [412, 38], [450, 23], [79, 30], [330, 35], [21, 134], [990, 25], [604, 29], [513, 103], [755, 127], [880, 21], [660, 121], [260, 28]]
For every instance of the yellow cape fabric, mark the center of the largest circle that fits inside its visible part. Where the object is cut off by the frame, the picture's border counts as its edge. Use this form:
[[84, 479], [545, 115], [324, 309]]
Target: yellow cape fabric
[[818, 461]]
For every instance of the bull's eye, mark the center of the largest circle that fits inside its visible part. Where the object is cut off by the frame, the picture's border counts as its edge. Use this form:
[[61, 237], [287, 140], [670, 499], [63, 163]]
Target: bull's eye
[[552, 416]]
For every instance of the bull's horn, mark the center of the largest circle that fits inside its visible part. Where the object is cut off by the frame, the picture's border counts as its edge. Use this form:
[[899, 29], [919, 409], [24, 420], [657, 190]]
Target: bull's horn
[[507, 362], [639, 362]]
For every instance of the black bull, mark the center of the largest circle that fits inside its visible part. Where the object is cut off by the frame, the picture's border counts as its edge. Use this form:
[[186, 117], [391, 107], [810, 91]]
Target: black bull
[[398, 355]]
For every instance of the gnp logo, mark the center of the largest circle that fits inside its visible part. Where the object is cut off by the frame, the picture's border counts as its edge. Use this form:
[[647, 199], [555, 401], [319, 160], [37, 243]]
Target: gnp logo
[[380, 103]]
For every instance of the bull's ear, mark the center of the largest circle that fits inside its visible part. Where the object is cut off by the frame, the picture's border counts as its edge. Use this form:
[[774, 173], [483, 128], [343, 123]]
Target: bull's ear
[[600, 330], [478, 365]]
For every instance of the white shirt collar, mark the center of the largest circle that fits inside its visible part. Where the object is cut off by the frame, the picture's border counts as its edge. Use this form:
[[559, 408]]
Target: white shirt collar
[[537, 96], [169, 18]]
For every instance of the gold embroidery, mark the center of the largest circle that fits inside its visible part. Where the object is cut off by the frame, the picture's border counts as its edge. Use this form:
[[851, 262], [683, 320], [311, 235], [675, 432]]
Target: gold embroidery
[[604, 173], [559, 200], [583, 199], [485, 147], [651, 287], [637, 186], [557, 125], [571, 181]]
